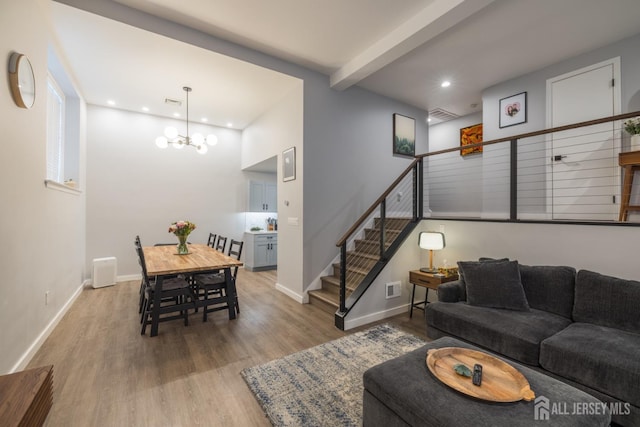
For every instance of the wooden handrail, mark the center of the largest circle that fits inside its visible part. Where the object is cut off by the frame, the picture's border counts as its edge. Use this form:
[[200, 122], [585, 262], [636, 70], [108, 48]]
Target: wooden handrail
[[375, 204], [536, 133]]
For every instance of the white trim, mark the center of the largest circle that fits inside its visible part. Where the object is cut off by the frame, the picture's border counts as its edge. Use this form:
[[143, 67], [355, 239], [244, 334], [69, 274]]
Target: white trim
[[119, 279], [35, 346], [373, 317], [55, 185], [293, 295]]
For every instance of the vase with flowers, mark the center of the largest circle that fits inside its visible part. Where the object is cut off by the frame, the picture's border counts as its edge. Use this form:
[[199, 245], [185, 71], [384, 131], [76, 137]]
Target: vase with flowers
[[182, 229], [632, 126]]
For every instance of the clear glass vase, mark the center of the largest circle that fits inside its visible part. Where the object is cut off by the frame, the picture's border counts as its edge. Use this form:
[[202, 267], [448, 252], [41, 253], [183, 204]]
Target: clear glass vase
[[182, 246]]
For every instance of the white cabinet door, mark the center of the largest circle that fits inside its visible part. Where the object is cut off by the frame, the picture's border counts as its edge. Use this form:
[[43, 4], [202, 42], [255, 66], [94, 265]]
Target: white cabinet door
[[271, 196]]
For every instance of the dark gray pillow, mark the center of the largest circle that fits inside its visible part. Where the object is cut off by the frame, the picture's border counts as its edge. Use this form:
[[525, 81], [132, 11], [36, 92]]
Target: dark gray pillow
[[494, 284], [461, 275]]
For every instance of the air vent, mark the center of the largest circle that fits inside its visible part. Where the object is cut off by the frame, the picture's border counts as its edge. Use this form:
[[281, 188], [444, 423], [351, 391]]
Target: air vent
[[173, 102], [438, 115]]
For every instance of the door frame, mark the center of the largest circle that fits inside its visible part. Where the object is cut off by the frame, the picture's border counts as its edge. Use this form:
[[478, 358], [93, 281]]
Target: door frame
[[617, 129]]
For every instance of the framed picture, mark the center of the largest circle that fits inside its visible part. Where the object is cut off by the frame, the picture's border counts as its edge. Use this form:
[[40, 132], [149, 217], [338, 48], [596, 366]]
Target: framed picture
[[289, 164], [469, 136], [404, 135], [513, 110]]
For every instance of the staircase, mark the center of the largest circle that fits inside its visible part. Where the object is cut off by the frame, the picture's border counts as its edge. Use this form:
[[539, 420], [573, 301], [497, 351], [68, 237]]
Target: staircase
[[360, 261]]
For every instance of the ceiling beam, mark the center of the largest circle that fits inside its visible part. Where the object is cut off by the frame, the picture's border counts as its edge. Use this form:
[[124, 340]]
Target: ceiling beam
[[437, 17]]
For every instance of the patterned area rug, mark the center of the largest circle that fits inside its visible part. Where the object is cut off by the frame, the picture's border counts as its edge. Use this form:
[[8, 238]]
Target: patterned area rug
[[322, 386]]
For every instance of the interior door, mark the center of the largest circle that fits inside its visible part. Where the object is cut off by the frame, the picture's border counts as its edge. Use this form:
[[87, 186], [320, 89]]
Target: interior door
[[585, 173]]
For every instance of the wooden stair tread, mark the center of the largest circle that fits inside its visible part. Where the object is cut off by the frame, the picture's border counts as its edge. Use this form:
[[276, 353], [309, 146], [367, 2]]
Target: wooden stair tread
[[336, 282], [326, 296]]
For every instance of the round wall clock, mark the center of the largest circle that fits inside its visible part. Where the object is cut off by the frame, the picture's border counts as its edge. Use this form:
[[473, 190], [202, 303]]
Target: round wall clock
[[22, 80]]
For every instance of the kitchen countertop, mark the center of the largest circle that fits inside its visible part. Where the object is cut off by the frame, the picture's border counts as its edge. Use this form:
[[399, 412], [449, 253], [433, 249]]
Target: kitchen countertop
[[262, 232]]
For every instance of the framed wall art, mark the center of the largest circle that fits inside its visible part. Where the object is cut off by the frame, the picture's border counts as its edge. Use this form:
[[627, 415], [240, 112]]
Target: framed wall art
[[404, 135], [289, 164], [469, 136], [513, 110]]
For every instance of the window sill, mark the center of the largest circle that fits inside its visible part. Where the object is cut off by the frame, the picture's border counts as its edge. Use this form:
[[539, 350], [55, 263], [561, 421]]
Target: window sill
[[54, 185]]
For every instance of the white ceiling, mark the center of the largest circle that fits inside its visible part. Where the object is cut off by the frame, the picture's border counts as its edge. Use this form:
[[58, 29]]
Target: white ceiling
[[401, 49]]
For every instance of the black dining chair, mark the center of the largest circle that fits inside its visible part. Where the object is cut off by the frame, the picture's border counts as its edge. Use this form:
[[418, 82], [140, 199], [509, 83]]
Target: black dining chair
[[212, 240], [214, 285], [176, 296], [221, 244]]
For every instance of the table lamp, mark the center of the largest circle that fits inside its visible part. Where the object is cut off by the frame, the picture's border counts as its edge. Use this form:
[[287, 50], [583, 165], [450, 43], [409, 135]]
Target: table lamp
[[433, 241]]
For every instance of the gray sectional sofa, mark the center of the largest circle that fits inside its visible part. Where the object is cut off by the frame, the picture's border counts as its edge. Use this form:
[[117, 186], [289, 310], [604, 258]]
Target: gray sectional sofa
[[582, 328]]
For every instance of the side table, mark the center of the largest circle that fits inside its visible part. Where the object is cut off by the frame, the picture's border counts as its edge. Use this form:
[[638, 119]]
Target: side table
[[427, 281]]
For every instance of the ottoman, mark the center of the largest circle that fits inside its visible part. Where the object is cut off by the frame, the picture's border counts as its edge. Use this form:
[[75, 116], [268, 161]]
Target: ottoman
[[403, 392]]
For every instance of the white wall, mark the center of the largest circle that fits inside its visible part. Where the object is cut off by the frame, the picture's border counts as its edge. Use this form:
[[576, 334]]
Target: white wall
[[43, 230], [278, 129], [135, 188]]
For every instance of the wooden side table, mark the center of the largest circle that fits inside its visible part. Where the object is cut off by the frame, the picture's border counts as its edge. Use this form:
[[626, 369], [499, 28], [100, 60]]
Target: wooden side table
[[630, 162], [427, 281]]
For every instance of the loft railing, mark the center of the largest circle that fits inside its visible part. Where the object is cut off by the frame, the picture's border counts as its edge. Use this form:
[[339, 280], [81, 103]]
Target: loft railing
[[566, 173]]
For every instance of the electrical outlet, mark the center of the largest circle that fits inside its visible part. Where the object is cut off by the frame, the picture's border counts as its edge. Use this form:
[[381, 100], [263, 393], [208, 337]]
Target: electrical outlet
[[399, 195], [46, 298]]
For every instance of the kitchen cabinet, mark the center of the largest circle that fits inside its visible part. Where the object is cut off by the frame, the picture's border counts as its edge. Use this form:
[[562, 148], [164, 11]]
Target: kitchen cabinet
[[261, 251], [263, 196]]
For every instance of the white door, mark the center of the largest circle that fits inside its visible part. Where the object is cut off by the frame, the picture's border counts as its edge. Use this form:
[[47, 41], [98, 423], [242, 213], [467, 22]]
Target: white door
[[585, 173]]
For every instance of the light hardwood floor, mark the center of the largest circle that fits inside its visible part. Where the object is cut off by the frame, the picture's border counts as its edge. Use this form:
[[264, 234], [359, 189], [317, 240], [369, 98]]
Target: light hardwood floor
[[107, 374]]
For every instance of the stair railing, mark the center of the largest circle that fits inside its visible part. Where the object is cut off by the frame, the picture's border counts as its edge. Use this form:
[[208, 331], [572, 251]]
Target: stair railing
[[390, 218]]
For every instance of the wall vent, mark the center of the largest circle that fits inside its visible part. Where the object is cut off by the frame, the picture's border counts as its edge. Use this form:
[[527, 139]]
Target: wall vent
[[393, 289], [438, 115], [173, 102]]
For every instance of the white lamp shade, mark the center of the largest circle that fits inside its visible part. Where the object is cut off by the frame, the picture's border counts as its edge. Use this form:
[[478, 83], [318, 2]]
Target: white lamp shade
[[212, 139], [202, 149], [431, 240], [162, 142], [170, 132], [197, 139]]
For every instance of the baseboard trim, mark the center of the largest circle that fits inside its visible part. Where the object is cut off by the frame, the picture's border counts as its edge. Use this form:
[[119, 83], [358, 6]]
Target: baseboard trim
[[288, 292], [35, 346], [119, 279], [374, 317]]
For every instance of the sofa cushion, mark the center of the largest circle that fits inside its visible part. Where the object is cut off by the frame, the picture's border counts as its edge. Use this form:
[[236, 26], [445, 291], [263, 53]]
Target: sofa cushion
[[605, 359], [494, 284], [549, 288], [607, 301], [516, 334]]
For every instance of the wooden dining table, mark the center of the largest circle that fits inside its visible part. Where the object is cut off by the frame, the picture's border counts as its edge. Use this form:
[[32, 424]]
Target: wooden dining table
[[163, 261]]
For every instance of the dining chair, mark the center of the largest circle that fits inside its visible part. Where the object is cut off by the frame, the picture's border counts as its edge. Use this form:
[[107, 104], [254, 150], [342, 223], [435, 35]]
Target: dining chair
[[221, 244], [212, 240], [214, 284], [176, 296]]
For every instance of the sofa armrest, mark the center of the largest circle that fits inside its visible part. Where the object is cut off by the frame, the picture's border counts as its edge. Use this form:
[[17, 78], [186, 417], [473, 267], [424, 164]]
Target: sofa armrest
[[451, 292]]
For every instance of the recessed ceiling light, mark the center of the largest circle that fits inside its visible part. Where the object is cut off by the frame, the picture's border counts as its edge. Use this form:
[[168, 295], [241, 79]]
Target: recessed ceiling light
[[204, 120], [229, 124], [111, 102], [145, 109], [176, 114], [429, 119], [445, 83]]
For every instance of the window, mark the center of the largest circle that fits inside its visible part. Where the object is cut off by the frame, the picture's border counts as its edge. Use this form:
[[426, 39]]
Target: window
[[55, 131]]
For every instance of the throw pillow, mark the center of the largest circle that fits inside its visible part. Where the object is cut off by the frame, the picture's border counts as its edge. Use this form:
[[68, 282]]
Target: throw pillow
[[494, 284]]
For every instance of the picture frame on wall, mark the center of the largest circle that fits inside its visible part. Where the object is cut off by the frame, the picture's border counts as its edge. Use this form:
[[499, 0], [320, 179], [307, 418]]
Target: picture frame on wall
[[404, 135], [468, 136], [513, 110], [289, 164]]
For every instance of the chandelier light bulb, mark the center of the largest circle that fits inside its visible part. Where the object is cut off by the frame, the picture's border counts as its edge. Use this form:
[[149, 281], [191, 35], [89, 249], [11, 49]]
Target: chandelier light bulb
[[178, 145], [171, 132], [161, 142], [202, 149], [212, 139]]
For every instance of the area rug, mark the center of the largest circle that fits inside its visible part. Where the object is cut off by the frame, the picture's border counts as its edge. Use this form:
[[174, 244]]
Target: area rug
[[322, 386]]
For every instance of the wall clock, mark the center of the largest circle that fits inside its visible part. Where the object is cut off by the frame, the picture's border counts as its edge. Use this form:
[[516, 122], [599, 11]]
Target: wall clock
[[22, 80]]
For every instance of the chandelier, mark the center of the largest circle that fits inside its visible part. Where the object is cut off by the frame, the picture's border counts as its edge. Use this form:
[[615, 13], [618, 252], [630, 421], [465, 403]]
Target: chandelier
[[197, 140]]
